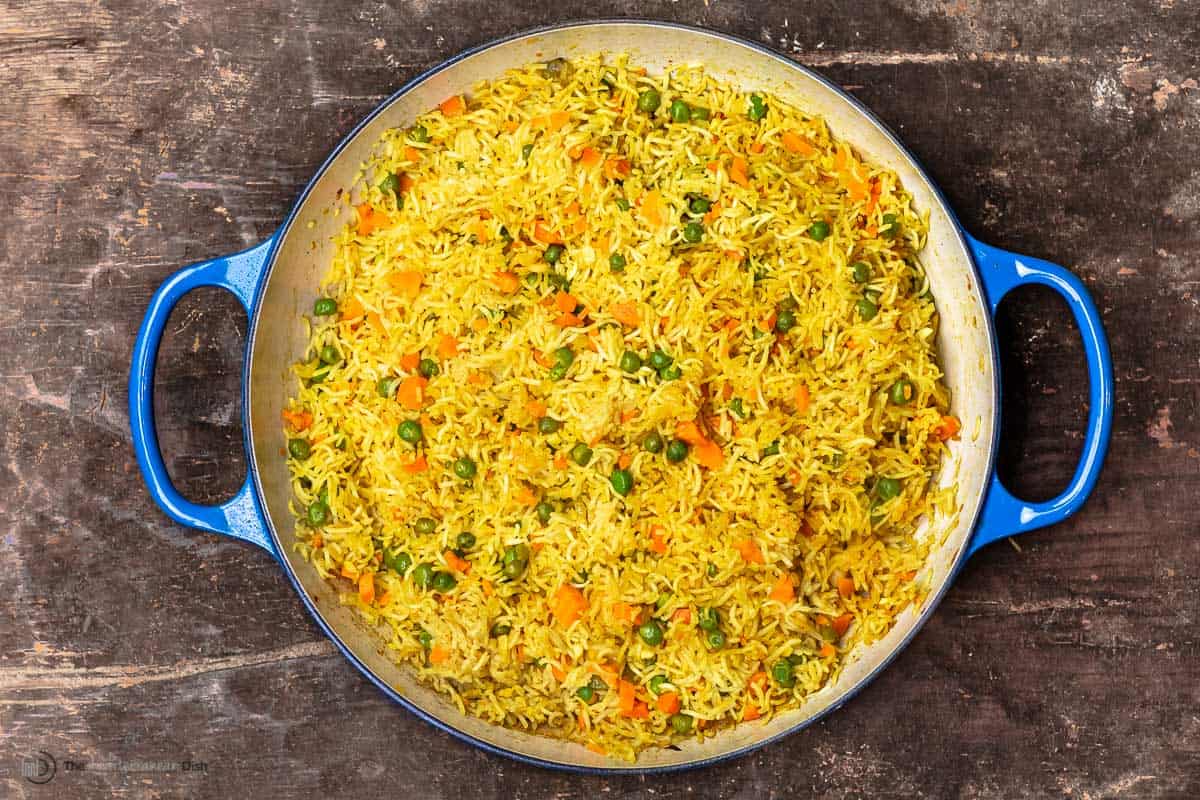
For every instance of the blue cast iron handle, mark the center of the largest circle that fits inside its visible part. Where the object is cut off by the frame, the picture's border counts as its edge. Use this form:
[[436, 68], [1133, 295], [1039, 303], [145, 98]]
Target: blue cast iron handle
[[240, 517], [1003, 514]]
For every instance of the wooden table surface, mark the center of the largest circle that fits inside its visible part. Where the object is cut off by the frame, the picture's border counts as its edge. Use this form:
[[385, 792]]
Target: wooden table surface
[[138, 136]]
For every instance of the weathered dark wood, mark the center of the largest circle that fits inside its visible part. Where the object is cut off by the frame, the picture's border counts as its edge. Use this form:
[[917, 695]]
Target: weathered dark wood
[[138, 136]]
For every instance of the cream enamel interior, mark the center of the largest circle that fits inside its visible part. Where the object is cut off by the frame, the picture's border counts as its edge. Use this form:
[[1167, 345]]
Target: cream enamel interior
[[278, 339]]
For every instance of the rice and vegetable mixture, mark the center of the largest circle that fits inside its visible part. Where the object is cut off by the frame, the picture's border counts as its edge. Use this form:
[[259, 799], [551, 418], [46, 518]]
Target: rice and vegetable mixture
[[622, 405]]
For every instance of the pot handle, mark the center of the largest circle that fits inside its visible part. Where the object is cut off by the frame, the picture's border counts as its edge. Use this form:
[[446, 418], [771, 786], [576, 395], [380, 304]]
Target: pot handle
[[240, 516], [1003, 514]]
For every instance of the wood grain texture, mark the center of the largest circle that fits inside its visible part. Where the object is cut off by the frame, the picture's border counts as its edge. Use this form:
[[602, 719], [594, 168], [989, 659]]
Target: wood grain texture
[[138, 136]]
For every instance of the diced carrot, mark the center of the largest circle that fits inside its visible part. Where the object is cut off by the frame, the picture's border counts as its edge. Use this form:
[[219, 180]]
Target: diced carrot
[[544, 235], [479, 230], [658, 539], [565, 302], [683, 616], [625, 313], [749, 550], [552, 121], [543, 359], [595, 748], [575, 152], [625, 697], [668, 702], [640, 710], [453, 106], [568, 321], [487, 587], [948, 428], [536, 408], [560, 461], [794, 143], [873, 200], [455, 562], [713, 166], [558, 672], [709, 454], [438, 654], [689, 432], [737, 172], [616, 168], [630, 414], [768, 324], [418, 464], [711, 215], [407, 281], [856, 189], [526, 497], [580, 226], [569, 604], [653, 208], [845, 586], [374, 320], [756, 147], [447, 346], [734, 254], [385, 598], [479, 324], [624, 612], [369, 219], [590, 157], [366, 587], [828, 650], [802, 398], [479, 379], [625, 460], [410, 361], [510, 126], [908, 576], [411, 153], [352, 308], [506, 282], [349, 572], [757, 681], [784, 589], [298, 420], [411, 393], [751, 713]]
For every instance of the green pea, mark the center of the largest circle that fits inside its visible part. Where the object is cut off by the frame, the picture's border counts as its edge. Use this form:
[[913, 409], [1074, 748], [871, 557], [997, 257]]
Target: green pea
[[693, 232], [622, 481], [397, 562], [735, 405], [500, 629], [680, 112], [515, 553], [623, 204], [425, 525], [887, 488], [699, 205], [649, 101], [585, 693], [564, 357], [708, 619], [902, 392], [526, 151], [426, 639], [427, 367], [581, 454], [781, 671], [660, 360], [422, 575], [419, 133], [771, 450], [866, 309], [616, 262], [557, 372], [630, 361], [548, 425], [386, 387], [819, 230], [671, 373], [860, 272], [712, 570], [700, 113], [785, 321], [715, 639], [677, 451], [553, 253], [465, 468], [544, 510], [410, 431], [465, 540], [325, 307], [559, 282], [681, 724], [330, 355], [657, 684], [652, 442], [443, 582], [891, 226], [318, 513], [299, 449], [651, 632], [515, 569], [390, 184], [827, 633]]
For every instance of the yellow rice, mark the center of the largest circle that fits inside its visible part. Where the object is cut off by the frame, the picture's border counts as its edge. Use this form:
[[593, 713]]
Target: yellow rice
[[798, 485]]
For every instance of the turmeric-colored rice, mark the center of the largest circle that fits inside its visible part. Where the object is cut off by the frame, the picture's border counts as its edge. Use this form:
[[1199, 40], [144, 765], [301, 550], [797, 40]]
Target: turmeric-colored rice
[[627, 415]]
